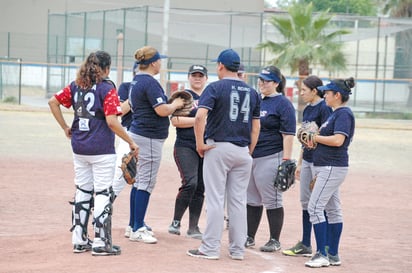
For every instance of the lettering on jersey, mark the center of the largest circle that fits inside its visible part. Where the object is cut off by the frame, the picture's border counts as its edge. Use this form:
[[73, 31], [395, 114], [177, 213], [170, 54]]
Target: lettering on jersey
[[238, 107], [159, 99], [263, 113], [243, 88]]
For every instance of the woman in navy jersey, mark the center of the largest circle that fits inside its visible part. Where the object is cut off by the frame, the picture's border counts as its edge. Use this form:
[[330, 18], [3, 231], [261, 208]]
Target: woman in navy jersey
[[275, 142], [96, 107], [316, 110], [149, 129], [331, 162], [188, 161]]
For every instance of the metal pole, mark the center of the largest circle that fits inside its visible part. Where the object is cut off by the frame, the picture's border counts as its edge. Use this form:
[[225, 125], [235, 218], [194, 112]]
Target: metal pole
[[19, 61], [120, 42], [377, 64], [165, 41]]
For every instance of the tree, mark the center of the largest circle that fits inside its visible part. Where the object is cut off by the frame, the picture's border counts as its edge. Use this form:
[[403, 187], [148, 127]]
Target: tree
[[359, 7], [306, 41]]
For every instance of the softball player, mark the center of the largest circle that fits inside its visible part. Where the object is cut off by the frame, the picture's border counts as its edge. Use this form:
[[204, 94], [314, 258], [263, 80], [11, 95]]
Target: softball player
[[331, 162], [119, 183], [315, 110], [149, 128], [278, 127], [96, 106], [232, 110], [188, 161]]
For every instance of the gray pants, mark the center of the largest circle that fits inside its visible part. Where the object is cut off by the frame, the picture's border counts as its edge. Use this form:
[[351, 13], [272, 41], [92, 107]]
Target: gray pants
[[227, 168], [325, 195], [307, 172], [150, 155]]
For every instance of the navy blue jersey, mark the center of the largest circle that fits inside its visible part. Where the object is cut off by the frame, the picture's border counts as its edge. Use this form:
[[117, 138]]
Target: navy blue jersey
[[123, 96], [232, 105], [145, 95], [90, 133], [318, 113], [341, 121], [185, 137], [277, 117]]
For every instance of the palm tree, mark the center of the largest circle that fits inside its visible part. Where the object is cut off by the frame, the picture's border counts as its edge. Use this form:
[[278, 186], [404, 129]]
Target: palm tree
[[306, 42]]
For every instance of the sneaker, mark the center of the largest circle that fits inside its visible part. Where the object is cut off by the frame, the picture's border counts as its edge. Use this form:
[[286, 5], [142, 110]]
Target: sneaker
[[197, 254], [298, 250], [82, 248], [143, 235], [127, 231], [194, 233], [318, 260], [334, 260], [104, 251], [271, 246], [250, 242], [236, 257], [174, 228]]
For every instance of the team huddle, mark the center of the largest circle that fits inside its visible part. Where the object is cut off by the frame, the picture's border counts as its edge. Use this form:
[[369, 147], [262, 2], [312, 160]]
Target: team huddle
[[230, 141]]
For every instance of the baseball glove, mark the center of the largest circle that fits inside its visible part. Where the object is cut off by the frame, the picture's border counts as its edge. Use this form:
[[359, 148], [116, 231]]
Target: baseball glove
[[285, 177], [129, 167], [188, 103], [306, 134]]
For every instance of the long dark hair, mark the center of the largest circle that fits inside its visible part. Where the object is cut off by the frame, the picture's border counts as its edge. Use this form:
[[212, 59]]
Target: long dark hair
[[91, 70], [312, 82]]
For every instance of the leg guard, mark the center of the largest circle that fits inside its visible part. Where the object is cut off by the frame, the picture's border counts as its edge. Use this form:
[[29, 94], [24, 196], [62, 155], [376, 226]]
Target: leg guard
[[82, 205], [102, 244]]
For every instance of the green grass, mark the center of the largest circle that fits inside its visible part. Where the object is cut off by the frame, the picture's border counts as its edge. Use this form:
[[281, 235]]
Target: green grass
[[384, 115]]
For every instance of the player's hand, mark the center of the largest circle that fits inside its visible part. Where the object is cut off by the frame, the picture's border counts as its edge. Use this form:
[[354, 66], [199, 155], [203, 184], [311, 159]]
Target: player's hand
[[68, 132], [134, 148], [201, 149], [297, 172]]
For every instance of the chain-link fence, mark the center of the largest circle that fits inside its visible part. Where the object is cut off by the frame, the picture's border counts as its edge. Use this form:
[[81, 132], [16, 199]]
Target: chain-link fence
[[378, 50]]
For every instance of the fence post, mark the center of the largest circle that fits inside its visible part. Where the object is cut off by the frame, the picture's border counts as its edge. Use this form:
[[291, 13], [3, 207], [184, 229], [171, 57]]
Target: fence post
[[19, 60]]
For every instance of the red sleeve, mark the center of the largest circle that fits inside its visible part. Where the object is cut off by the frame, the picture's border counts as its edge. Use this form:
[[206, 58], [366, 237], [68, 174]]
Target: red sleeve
[[64, 96], [111, 104]]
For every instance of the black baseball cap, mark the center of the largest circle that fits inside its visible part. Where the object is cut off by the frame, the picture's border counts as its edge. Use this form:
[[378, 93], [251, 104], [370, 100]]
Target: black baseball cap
[[197, 68]]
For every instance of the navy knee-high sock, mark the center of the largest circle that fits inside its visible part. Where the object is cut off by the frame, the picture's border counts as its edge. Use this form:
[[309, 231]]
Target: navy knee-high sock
[[334, 232], [320, 235], [307, 228], [132, 210], [141, 203]]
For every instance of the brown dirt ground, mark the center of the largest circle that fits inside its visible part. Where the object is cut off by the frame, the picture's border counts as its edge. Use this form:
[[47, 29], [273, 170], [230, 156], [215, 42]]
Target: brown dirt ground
[[36, 184]]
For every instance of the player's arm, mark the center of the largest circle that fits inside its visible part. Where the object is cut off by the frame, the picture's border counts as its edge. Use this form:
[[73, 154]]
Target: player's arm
[[299, 165], [117, 128], [199, 128], [54, 105], [254, 135], [125, 106], [183, 122], [287, 146], [166, 109], [335, 140]]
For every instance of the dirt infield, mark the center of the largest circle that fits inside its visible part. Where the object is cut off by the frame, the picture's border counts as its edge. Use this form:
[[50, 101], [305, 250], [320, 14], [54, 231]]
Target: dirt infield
[[36, 184]]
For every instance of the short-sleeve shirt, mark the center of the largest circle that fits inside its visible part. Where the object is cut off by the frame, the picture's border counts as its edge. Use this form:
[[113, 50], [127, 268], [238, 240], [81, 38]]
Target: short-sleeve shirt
[[90, 133], [185, 137], [145, 95], [277, 117], [318, 113], [341, 121], [232, 105], [123, 96]]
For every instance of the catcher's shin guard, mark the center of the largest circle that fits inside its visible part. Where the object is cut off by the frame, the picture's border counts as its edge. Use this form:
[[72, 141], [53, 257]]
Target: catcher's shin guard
[[103, 223], [82, 205]]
